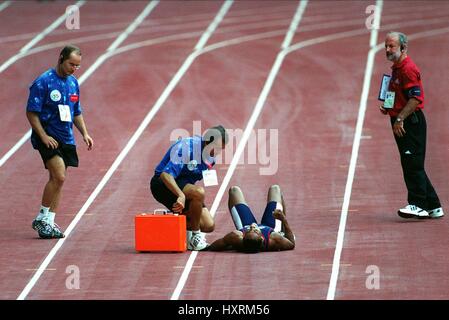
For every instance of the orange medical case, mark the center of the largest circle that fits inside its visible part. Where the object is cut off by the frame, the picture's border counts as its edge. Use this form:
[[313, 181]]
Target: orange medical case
[[160, 232]]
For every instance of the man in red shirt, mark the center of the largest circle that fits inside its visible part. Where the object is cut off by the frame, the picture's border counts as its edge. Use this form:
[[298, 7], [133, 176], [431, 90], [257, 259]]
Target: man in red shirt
[[405, 105]]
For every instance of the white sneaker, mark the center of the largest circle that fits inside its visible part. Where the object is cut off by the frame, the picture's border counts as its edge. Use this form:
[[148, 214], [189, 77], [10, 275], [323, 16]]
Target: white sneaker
[[436, 213], [412, 211], [197, 242]]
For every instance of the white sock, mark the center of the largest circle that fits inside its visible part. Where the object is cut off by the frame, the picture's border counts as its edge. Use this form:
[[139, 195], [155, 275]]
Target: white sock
[[43, 211], [189, 235], [50, 218]]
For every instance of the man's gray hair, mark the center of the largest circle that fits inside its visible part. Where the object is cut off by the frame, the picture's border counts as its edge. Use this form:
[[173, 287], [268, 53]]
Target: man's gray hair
[[403, 41]]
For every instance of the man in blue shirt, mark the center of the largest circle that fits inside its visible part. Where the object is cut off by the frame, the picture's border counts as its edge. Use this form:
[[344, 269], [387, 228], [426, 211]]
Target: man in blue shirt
[[52, 109], [173, 183]]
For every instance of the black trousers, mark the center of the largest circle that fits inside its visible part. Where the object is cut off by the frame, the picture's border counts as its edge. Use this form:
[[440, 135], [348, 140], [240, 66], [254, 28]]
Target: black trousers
[[412, 149]]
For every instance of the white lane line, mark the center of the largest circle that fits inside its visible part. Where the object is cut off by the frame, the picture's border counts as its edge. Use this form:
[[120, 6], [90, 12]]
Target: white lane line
[[175, 80], [240, 148], [118, 41], [354, 154], [60, 242], [37, 38], [98, 62], [226, 43], [4, 5]]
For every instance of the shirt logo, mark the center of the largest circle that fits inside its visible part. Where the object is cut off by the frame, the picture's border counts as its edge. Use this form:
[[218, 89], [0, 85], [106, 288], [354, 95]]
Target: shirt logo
[[73, 98], [55, 95], [192, 165]]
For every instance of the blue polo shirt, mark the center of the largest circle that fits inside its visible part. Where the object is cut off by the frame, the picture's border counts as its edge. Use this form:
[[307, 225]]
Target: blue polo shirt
[[47, 92], [184, 160]]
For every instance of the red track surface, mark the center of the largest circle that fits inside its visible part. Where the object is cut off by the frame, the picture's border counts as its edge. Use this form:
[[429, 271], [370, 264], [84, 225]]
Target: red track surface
[[313, 103]]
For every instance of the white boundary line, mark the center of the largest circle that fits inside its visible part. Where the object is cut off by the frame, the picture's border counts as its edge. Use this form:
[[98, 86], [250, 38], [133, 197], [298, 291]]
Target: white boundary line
[[4, 5], [55, 249], [240, 148], [37, 38], [222, 44], [344, 212], [175, 80], [355, 151]]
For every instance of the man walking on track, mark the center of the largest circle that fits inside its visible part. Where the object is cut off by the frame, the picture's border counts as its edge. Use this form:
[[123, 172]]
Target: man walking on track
[[187, 161], [404, 105], [272, 234], [53, 107]]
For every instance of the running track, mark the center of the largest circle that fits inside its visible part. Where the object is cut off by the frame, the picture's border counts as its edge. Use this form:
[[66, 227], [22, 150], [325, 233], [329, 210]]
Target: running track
[[313, 101]]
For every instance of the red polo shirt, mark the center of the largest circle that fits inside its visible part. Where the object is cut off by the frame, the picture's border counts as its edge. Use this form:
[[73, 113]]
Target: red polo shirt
[[406, 83]]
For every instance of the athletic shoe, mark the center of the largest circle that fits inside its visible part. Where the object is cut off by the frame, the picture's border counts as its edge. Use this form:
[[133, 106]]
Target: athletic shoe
[[50, 232], [436, 213], [412, 211], [197, 243], [38, 225]]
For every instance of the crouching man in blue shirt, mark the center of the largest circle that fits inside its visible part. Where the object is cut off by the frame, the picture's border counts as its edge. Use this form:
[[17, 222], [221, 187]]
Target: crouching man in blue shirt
[[173, 183], [53, 107]]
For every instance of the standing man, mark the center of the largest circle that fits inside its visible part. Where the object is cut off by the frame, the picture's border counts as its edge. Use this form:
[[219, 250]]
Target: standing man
[[173, 183], [405, 107], [53, 107]]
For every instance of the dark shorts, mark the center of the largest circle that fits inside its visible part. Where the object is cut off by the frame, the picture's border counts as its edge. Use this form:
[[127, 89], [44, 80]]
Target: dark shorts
[[163, 195], [243, 216], [66, 151]]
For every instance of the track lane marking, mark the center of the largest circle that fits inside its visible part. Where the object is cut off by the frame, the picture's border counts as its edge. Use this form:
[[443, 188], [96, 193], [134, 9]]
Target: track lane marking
[[147, 10], [240, 148], [355, 150], [37, 38], [222, 44], [4, 5], [170, 87]]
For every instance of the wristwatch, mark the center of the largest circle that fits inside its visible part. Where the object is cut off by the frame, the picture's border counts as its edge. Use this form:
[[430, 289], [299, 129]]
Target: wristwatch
[[398, 119]]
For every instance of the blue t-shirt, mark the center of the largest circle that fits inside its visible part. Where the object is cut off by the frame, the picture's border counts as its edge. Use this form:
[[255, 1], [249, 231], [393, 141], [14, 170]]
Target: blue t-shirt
[[184, 160], [50, 93]]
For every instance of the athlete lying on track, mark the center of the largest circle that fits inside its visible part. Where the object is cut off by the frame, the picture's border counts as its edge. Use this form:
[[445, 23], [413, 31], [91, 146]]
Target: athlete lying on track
[[251, 237]]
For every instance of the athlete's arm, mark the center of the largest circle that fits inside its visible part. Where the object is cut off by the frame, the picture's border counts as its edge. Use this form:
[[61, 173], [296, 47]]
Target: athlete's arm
[[233, 240], [279, 242], [171, 184], [81, 126], [36, 124]]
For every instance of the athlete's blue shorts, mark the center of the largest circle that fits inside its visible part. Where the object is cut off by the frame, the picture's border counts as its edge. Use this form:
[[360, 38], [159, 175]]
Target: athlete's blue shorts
[[242, 215]]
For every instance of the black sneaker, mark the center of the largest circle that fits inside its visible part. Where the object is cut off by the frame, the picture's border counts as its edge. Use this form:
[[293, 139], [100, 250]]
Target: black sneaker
[[50, 232], [38, 225]]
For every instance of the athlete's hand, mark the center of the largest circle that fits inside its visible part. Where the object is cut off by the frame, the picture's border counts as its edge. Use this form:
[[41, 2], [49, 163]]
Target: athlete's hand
[[179, 205], [279, 214], [89, 141], [49, 142], [383, 110]]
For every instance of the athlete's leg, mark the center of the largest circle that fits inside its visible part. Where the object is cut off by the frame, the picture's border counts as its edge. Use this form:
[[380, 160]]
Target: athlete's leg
[[52, 191], [207, 223], [240, 212], [275, 200], [195, 197]]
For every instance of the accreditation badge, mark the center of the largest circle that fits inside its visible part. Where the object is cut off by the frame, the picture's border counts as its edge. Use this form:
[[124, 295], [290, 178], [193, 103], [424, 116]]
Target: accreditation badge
[[389, 100], [64, 113], [210, 178]]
